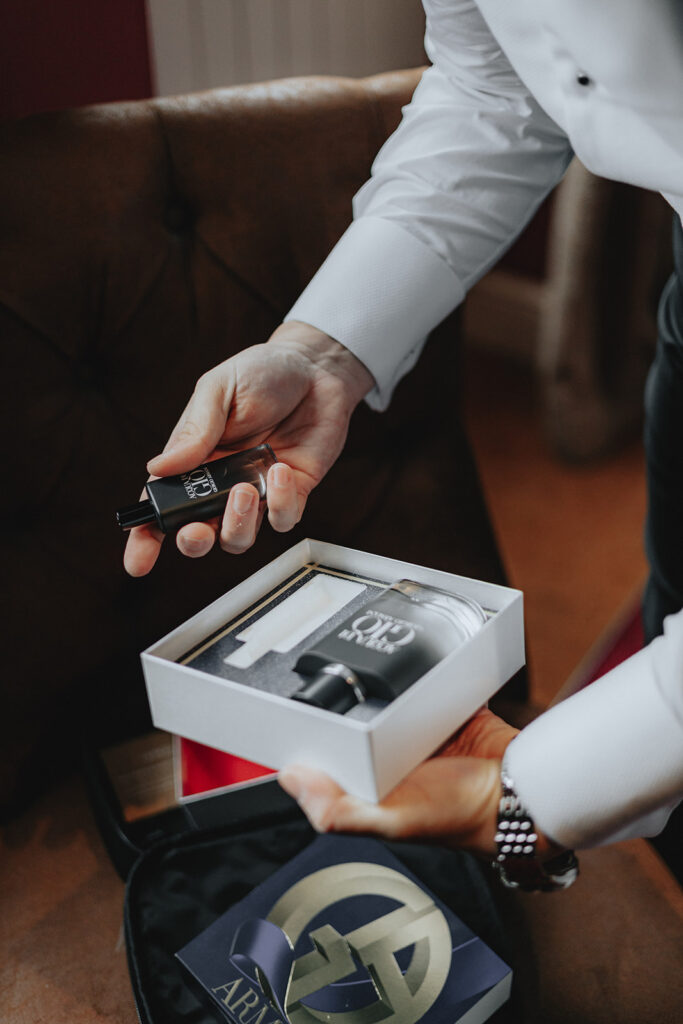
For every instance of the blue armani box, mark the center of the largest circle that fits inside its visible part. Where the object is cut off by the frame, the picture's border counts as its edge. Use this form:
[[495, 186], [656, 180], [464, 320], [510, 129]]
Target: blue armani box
[[345, 934]]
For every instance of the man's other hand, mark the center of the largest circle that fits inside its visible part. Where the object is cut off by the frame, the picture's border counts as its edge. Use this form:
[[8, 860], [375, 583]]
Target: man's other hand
[[297, 392]]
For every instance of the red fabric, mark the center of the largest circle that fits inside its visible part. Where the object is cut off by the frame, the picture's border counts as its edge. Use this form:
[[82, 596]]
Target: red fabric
[[627, 640], [204, 769]]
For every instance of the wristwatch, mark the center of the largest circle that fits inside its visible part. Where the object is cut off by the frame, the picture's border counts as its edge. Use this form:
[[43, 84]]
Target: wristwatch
[[516, 863]]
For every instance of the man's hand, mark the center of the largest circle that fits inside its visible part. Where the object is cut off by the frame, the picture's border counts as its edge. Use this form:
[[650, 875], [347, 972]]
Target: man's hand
[[452, 798], [296, 392]]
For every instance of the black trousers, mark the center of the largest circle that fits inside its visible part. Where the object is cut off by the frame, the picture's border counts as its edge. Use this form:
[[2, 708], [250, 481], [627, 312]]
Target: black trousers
[[664, 453], [664, 525]]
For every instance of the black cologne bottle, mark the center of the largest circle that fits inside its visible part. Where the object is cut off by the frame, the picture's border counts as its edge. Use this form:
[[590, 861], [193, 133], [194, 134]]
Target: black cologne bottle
[[386, 645], [199, 494]]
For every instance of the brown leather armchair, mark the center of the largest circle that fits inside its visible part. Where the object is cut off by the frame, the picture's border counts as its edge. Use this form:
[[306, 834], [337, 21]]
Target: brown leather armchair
[[140, 245]]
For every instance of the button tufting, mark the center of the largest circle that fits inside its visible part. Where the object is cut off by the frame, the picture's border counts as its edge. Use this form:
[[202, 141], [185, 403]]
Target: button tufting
[[91, 372], [179, 217], [583, 79]]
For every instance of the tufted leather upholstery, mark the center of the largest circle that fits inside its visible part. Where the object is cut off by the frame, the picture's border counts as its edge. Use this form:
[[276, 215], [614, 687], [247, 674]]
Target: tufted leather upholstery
[[143, 243]]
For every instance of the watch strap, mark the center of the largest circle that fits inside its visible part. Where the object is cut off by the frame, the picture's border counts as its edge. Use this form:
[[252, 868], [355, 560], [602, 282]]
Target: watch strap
[[517, 863]]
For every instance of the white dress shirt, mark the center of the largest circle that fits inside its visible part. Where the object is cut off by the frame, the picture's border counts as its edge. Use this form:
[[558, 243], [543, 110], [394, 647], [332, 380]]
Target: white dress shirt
[[513, 91]]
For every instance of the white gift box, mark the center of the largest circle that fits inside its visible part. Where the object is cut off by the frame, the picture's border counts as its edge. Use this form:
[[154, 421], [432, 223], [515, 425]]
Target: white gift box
[[224, 677]]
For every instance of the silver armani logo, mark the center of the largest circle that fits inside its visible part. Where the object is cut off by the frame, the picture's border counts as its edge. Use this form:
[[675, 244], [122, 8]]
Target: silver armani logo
[[402, 998]]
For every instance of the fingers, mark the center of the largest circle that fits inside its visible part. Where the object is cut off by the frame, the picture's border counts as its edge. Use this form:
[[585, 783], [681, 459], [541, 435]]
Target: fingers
[[244, 512], [238, 531], [196, 539], [450, 800], [327, 806], [283, 499], [142, 547], [200, 427], [240, 520], [142, 550], [238, 528]]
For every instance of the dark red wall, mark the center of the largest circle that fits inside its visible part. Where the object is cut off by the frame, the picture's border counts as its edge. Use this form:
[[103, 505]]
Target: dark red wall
[[65, 53]]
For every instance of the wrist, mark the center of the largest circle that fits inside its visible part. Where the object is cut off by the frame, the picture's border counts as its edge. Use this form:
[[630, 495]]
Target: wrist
[[327, 356], [526, 859], [481, 840]]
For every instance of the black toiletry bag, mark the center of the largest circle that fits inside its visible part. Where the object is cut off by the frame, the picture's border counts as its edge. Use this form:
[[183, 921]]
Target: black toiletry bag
[[182, 874]]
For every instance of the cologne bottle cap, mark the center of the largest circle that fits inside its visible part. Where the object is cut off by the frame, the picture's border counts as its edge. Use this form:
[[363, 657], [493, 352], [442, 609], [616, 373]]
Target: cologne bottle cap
[[334, 688], [135, 515]]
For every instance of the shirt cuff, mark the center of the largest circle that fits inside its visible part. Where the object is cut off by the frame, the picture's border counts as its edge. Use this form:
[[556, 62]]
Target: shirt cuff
[[605, 764], [380, 292]]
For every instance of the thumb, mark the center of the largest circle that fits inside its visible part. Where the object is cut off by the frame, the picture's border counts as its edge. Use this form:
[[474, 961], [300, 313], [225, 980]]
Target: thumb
[[448, 800], [326, 805], [199, 429]]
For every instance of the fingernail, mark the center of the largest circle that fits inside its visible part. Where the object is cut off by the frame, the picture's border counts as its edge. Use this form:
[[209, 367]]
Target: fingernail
[[242, 501], [195, 547], [281, 475]]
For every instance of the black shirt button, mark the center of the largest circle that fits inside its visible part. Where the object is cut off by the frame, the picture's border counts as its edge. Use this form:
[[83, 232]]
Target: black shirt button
[[582, 78]]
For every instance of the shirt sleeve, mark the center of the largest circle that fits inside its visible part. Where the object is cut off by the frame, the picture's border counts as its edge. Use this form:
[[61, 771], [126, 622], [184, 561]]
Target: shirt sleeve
[[471, 161], [607, 763]]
